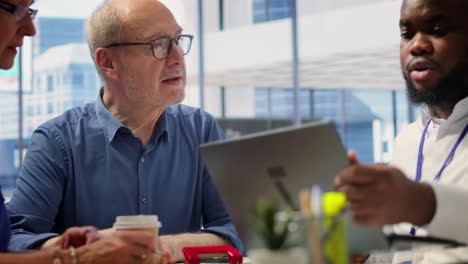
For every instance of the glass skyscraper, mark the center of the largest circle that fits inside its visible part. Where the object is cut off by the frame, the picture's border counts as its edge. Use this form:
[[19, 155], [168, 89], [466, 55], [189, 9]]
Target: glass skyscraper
[[63, 76], [53, 32]]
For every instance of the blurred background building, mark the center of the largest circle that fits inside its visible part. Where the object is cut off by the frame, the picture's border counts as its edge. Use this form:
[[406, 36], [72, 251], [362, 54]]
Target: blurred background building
[[348, 71]]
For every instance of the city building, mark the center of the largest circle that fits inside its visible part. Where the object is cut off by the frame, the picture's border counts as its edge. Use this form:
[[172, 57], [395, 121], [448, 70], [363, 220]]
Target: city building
[[65, 77], [348, 56], [54, 31], [62, 75]]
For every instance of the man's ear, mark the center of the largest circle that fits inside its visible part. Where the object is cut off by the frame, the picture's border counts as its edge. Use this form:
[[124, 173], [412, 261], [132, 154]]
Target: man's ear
[[105, 61]]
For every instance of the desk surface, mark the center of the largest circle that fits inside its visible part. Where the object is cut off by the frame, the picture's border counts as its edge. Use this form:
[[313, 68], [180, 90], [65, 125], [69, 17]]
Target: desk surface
[[245, 261], [422, 256]]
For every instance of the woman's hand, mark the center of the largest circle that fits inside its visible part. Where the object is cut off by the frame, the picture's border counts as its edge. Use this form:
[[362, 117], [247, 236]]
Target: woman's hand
[[75, 237], [123, 247]]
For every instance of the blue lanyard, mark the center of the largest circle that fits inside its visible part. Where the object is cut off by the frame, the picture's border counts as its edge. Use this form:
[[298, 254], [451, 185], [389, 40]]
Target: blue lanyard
[[447, 160]]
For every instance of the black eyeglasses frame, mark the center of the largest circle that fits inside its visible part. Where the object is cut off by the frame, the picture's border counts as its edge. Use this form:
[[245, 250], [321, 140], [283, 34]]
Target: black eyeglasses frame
[[152, 43], [14, 9]]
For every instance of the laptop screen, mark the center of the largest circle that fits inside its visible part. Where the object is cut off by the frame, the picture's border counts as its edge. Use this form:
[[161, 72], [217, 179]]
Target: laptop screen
[[282, 161]]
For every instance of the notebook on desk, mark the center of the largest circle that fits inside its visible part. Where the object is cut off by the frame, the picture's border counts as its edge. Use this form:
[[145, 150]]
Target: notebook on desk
[[251, 166]]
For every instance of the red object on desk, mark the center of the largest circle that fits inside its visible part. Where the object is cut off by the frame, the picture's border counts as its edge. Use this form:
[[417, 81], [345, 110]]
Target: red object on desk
[[192, 253]]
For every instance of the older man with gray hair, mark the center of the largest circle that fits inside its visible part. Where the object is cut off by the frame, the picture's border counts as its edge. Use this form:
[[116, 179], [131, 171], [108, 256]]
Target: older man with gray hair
[[133, 151]]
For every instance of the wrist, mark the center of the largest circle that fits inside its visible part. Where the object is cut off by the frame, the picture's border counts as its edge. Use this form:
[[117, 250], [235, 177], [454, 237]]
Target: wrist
[[50, 242], [171, 244], [425, 205]]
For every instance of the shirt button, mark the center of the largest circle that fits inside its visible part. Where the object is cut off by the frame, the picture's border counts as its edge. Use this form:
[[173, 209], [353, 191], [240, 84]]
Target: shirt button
[[143, 200], [142, 160]]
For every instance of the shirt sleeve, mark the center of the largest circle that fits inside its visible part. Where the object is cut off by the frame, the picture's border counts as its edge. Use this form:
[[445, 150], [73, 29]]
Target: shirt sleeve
[[4, 226], [38, 195], [215, 216], [449, 220]]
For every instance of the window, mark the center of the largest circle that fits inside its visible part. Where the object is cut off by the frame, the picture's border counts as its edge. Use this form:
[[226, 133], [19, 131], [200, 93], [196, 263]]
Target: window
[[30, 110], [50, 83], [354, 113], [268, 10], [77, 80], [38, 110], [9, 128], [260, 11], [279, 9], [364, 118], [50, 108]]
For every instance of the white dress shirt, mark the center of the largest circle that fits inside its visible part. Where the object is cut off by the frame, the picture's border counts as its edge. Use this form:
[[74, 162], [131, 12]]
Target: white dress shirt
[[451, 191]]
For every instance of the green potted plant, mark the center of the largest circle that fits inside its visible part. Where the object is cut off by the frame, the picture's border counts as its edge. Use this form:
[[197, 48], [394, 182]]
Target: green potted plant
[[273, 232]]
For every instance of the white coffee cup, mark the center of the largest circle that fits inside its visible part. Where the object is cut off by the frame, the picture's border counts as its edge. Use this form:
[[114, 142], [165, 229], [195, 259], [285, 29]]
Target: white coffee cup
[[149, 223], [138, 222]]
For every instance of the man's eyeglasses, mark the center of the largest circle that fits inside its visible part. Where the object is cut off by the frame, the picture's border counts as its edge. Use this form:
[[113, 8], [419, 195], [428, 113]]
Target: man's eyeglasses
[[19, 11], [162, 47]]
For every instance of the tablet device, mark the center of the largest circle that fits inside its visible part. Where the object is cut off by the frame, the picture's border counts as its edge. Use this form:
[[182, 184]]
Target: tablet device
[[282, 161]]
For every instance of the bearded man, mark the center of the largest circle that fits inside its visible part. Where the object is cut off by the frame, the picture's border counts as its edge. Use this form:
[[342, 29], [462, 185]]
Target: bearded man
[[425, 189]]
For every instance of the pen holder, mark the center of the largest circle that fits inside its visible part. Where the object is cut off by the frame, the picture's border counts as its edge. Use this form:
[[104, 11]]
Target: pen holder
[[334, 240], [324, 237]]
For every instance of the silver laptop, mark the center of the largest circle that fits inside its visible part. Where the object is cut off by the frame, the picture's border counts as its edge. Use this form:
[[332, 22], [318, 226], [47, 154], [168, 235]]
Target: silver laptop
[[282, 161]]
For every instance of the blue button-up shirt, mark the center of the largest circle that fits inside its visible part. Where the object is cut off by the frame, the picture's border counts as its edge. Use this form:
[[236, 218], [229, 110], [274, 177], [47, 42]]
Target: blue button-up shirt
[[4, 225], [85, 168]]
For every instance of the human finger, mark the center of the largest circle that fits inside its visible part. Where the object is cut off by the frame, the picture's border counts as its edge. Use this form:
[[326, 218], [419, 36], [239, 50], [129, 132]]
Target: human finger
[[118, 247], [140, 254], [138, 238], [92, 234], [357, 174], [356, 192], [163, 252], [73, 236], [353, 158], [163, 257], [364, 207], [365, 219]]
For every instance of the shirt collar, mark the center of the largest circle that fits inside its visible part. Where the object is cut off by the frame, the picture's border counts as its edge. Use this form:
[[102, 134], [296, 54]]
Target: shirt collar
[[426, 115], [459, 114], [111, 125], [162, 128]]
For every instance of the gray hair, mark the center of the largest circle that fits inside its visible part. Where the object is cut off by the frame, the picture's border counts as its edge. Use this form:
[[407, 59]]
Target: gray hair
[[103, 27]]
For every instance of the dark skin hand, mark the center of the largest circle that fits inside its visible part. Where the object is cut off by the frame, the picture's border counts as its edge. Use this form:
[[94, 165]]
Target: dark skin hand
[[381, 195]]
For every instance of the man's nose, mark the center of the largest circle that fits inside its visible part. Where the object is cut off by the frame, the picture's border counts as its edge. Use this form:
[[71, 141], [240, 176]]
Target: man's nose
[[421, 45], [175, 55]]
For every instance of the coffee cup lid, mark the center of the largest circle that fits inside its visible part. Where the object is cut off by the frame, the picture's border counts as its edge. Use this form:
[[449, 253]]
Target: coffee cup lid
[[137, 221]]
